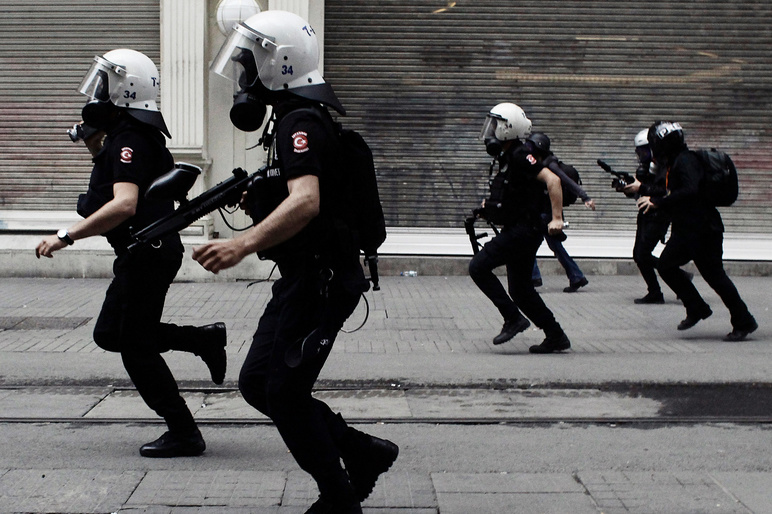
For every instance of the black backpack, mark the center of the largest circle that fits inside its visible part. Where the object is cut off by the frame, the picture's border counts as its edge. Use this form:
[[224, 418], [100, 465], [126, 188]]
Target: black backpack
[[359, 168], [364, 212], [719, 185], [569, 196]]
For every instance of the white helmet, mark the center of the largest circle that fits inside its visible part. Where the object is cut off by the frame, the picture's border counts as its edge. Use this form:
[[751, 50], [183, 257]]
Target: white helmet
[[642, 138], [506, 121], [129, 80], [279, 49]]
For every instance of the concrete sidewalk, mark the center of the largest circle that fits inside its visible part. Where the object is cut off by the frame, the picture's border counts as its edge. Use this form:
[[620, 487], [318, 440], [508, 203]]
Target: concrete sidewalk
[[419, 330], [421, 371]]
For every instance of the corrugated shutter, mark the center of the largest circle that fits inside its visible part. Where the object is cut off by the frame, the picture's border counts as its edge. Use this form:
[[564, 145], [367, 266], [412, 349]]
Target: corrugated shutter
[[45, 49], [418, 76]]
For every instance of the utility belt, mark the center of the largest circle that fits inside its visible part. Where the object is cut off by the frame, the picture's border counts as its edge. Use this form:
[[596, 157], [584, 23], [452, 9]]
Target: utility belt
[[293, 265]]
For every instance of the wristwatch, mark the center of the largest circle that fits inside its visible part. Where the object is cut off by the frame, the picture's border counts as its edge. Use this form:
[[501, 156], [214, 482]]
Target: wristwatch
[[64, 236]]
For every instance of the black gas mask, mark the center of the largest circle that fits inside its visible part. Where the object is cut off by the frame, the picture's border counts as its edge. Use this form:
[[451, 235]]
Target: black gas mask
[[251, 101], [493, 146], [99, 114]]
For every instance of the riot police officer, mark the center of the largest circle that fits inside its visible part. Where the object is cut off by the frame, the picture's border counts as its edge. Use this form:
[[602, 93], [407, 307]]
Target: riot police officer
[[298, 209], [697, 233], [651, 226], [517, 202], [122, 87]]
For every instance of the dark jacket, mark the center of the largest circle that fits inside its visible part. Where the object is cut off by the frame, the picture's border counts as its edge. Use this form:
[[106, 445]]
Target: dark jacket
[[682, 199], [132, 152]]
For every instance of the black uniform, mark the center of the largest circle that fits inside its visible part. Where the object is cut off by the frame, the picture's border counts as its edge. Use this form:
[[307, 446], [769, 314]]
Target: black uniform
[[697, 234], [517, 243], [321, 284], [651, 228], [130, 320]]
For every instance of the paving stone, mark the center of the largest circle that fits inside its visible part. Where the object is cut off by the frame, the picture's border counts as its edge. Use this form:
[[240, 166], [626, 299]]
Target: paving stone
[[371, 404], [218, 488], [543, 403], [656, 492], [76, 491], [754, 490], [50, 402], [466, 493], [129, 404]]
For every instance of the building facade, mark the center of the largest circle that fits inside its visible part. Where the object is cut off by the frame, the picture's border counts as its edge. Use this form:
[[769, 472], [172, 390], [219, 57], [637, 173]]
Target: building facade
[[417, 77]]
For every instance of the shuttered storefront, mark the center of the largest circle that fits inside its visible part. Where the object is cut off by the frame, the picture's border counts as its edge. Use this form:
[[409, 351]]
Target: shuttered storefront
[[45, 49], [418, 76]]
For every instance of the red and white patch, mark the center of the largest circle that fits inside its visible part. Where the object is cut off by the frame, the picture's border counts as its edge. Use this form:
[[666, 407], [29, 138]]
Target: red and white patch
[[530, 158], [126, 155], [300, 142]]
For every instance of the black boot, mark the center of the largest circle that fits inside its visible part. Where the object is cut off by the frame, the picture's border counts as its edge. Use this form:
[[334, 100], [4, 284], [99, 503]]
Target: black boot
[[511, 328], [323, 506], [694, 318], [365, 465], [572, 288], [173, 444], [211, 349], [552, 343], [336, 495], [650, 298], [740, 333]]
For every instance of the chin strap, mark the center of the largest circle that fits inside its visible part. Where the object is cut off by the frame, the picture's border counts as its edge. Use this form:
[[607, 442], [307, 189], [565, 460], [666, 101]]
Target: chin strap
[[267, 138]]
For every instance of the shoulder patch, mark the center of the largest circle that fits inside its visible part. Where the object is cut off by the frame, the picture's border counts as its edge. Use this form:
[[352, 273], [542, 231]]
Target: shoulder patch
[[300, 141], [126, 155], [530, 158]]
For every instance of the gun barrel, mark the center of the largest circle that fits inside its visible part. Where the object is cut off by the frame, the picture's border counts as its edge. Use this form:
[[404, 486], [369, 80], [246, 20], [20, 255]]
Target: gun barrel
[[225, 193], [608, 169], [619, 174]]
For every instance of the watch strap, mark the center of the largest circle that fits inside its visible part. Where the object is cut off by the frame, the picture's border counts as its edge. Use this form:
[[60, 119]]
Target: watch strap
[[65, 236]]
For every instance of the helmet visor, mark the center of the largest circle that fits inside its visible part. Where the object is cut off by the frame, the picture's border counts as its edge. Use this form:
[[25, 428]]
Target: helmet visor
[[237, 59], [489, 127], [102, 75]]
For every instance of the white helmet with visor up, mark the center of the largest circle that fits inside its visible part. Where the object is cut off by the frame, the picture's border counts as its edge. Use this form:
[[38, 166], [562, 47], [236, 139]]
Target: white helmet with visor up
[[278, 50], [506, 121]]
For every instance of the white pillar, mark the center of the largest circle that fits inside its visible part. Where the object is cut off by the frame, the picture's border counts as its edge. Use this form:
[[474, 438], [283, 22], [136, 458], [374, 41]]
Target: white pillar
[[183, 92], [183, 65], [299, 7]]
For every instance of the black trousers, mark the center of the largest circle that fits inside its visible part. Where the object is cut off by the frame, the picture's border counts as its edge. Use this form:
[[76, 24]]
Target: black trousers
[[130, 323], [514, 247], [705, 248], [650, 230], [298, 306]]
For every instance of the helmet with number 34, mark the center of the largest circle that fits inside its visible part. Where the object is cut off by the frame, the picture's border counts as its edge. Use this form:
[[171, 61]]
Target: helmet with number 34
[[123, 79], [277, 51]]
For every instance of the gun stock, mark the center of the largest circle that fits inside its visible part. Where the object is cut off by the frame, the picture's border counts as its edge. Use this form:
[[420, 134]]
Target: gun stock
[[226, 193], [474, 237]]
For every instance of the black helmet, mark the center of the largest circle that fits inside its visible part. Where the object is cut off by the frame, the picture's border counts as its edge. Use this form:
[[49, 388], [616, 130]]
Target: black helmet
[[540, 142], [666, 139]]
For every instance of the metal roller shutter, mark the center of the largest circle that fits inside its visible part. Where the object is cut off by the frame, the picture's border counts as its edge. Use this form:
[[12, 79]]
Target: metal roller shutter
[[45, 49], [418, 76]]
